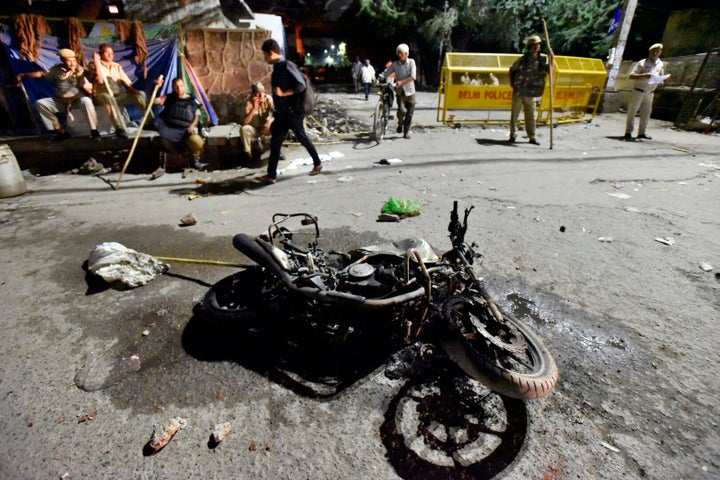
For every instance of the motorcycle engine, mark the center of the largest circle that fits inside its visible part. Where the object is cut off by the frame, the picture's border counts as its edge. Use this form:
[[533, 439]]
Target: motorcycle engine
[[368, 280]]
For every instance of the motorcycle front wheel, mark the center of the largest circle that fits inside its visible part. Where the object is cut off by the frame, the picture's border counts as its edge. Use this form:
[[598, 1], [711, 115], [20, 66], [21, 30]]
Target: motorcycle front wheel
[[503, 354]]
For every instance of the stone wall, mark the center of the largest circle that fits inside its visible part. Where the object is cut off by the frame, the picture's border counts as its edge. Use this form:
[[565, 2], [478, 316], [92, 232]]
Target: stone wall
[[226, 63]]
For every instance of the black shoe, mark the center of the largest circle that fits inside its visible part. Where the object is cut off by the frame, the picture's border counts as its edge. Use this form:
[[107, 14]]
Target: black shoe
[[644, 137], [121, 133], [61, 136], [198, 165], [407, 135], [399, 129], [534, 142], [95, 135], [511, 140], [628, 137]]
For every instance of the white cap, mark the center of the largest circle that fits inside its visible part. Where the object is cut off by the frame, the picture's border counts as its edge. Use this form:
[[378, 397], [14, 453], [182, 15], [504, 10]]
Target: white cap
[[403, 48]]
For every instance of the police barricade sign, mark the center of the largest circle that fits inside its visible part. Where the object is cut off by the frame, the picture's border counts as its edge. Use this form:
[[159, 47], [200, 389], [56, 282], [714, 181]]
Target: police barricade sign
[[475, 88]]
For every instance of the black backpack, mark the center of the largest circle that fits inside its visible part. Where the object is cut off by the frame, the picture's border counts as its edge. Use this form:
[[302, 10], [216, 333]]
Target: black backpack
[[307, 103]]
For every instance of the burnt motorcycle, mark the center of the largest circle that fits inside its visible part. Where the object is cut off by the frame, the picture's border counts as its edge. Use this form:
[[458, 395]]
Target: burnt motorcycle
[[378, 299]]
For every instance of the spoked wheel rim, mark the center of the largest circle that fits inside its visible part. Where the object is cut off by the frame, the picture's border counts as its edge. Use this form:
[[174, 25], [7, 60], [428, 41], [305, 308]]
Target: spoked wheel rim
[[504, 354]]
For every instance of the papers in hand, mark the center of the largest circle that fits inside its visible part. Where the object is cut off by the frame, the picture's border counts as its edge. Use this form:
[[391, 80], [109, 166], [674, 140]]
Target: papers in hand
[[658, 79]]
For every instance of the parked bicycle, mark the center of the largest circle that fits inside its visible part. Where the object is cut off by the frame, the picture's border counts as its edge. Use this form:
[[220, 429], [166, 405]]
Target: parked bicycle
[[386, 96]]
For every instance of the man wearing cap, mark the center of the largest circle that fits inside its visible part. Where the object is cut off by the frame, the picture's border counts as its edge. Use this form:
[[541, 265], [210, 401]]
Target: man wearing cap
[[644, 76], [71, 88], [111, 82], [259, 108], [527, 77], [405, 72]]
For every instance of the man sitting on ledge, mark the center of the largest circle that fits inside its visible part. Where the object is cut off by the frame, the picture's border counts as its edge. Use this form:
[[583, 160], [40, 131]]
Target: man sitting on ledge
[[71, 87], [110, 82], [177, 124], [258, 117]]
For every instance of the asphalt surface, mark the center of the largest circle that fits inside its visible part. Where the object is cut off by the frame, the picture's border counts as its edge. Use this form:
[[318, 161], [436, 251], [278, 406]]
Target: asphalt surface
[[602, 246]]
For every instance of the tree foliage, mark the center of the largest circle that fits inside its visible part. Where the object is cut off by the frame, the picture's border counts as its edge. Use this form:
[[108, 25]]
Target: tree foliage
[[577, 27]]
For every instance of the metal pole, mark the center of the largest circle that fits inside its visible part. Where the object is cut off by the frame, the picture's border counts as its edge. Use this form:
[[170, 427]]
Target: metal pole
[[628, 14], [139, 131]]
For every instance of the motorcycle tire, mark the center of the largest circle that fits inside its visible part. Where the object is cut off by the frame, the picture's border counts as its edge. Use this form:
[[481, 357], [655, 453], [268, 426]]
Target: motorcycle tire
[[236, 297], [506, 356]]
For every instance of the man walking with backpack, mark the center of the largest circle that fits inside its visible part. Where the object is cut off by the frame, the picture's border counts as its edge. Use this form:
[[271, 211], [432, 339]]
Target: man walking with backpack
[[289, 89]]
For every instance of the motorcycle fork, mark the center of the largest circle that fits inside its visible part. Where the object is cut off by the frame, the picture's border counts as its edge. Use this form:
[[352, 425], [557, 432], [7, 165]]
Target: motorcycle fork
[[413, 252]]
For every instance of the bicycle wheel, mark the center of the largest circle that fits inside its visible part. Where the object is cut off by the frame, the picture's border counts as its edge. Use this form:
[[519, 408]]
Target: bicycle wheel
[[379, 121], [505, 355]]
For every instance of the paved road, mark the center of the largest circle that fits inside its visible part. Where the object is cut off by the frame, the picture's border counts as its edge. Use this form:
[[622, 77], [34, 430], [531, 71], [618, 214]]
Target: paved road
[[569, 238]]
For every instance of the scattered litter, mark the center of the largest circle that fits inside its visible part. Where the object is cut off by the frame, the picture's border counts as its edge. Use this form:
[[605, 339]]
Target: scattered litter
[[401, 207], [188, 220], [193, 197], [87, 418], [617, 185], [714, 165], [346, 178], [90, 167], [220, 432], [632, 210], [511, 207], [201, 181], [145, 333], [115, 262], [610, 447], [706, 267], [605, 239], [389, 161], [681, 149], [618, 195], [562, 228], [665, 240], [388, 217], [162, 434]]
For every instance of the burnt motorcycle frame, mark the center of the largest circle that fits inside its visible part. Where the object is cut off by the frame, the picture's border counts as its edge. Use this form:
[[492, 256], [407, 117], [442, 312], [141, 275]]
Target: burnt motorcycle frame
[[381, 297]]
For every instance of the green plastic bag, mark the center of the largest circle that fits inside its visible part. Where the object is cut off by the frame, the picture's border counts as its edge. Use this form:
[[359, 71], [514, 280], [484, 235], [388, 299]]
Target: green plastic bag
[[409, 208]]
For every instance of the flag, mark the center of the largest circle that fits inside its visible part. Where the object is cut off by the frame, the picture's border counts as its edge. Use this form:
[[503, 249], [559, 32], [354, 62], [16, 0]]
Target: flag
[[616, 19]]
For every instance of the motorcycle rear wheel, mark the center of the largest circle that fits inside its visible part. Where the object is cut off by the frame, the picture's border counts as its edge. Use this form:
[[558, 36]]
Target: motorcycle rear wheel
[[506, 356], [237, 297]]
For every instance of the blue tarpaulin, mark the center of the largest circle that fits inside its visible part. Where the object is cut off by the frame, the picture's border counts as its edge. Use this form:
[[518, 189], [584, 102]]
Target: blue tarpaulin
[[162, 59]]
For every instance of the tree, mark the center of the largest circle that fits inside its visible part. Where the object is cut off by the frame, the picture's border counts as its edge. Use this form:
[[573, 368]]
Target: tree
[[577, 27]]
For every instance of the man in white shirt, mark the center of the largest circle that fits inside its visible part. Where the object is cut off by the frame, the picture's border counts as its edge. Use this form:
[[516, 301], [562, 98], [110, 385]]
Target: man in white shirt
[[644, 75], [405, 74]]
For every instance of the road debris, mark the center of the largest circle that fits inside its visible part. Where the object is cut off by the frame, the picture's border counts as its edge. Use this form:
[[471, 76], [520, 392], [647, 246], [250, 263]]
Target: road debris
[[220, 432], [163, 433], [115, 263], [665, 240], [619, 195], [706, 267], [188, 220]]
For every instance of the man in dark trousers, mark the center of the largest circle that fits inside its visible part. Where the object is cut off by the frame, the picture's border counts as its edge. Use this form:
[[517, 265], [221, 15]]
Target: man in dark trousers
[[527, 77], [288, 87]]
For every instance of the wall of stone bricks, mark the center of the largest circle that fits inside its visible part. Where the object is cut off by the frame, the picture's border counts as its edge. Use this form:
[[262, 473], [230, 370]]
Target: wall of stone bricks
[[226, 63]]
